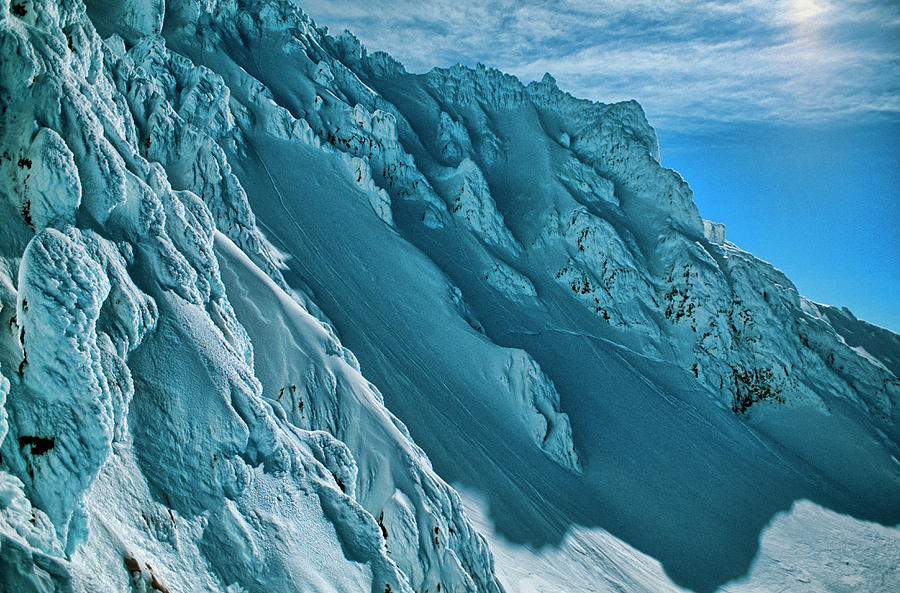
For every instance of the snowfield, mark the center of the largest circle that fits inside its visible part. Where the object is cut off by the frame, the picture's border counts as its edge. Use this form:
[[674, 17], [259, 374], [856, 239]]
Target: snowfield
[[264, 296]]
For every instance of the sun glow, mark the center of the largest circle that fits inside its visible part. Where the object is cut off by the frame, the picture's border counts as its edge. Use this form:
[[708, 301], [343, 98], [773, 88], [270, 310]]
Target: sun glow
[[802, 10]]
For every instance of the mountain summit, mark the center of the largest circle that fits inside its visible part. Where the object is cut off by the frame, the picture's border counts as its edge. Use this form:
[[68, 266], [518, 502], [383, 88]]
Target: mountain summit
[[264, 296]]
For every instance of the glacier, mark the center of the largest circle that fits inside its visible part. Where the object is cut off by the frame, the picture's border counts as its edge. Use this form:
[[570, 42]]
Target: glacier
[[264, 296]]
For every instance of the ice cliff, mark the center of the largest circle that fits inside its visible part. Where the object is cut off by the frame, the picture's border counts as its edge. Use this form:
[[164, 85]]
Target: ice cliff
[[207, 205]]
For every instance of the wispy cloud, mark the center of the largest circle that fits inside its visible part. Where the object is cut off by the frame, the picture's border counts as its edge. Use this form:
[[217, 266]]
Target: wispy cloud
[[689, 62]]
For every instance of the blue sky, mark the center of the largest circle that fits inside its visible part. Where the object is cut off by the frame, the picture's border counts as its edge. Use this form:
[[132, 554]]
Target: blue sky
[[783, 116]]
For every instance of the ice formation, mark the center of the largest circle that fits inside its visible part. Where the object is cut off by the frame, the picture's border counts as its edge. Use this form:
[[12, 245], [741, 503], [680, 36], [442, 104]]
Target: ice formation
[[223, 227]]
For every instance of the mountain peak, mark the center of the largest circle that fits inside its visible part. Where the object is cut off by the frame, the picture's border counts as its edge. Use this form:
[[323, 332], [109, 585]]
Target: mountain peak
[[265, 296]]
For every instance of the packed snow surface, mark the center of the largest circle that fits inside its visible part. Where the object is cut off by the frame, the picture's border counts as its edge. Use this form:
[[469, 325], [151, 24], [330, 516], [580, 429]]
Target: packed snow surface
[[807, 549], [264, 294]]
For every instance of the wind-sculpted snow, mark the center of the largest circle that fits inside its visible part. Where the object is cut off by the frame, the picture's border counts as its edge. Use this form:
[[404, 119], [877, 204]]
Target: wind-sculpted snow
[[140, 447], [471, 203], [543, 200], [63, 417], [365, 138], [320, 389], [199, 197]]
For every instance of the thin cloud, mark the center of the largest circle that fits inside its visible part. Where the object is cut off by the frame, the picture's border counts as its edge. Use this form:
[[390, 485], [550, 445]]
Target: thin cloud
[[690, 63]]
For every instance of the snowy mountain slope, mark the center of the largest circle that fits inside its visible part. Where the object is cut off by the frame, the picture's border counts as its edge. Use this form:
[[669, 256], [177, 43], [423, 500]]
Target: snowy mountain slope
[[139, 449], [806, 549], [484, 157], [195, 201]]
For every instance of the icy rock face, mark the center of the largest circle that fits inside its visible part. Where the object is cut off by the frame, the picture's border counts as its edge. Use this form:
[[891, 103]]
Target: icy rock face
[[510, 282], [349, 120], [131, 19], [471, 204], [176, 415], [64, 419], [588, 207], [583, 181], [46, 182], [860, 357], [452, 140], [549, 425], [748, 336], [602, 273], [619, 233], [183, 115], [139, 443]]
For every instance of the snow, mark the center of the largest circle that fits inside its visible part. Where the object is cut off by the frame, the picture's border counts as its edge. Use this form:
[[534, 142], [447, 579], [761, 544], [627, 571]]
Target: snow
[[810, 549], [585, 561], [806, 549], [64, 419], [136, 422], [714, 232], [470, 202], [262, 295], [317, 386]]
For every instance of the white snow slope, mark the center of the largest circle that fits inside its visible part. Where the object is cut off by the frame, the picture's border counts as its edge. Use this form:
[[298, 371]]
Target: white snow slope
[[198, 198]]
